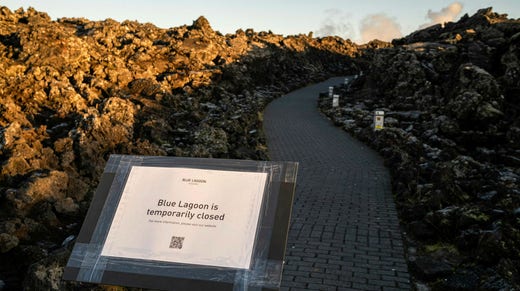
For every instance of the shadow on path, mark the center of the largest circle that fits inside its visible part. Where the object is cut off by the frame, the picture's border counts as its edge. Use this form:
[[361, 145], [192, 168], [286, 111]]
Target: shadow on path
[[344, 232]]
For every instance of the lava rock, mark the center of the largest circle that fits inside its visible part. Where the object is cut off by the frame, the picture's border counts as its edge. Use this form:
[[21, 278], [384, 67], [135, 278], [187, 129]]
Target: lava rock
[[454, 165], [7, 242], [461, 280], [429, 269], [75, 91]]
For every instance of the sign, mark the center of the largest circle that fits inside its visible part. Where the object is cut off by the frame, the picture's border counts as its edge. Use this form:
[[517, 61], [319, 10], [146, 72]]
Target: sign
[[379, 119], [335, 100], [172, 223], [331, 91], [171, 214]]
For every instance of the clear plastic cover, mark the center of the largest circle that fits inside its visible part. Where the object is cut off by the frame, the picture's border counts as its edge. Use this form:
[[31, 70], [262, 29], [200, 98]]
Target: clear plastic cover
[[87, 264]]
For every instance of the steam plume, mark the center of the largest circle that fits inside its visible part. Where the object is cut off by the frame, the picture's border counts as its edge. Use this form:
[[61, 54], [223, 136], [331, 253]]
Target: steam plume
[[446, 14], [379, 26], [335, 24]]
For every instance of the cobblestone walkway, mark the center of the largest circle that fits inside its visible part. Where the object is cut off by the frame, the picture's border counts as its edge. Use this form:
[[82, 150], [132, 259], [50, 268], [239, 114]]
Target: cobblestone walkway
[[344, 232]]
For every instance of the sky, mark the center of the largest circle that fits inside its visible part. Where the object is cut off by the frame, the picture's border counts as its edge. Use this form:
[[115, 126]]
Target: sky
[[358, 20]]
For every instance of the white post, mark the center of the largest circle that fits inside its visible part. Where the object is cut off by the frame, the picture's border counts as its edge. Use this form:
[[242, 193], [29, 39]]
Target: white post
[[335, 100], [379, 120]]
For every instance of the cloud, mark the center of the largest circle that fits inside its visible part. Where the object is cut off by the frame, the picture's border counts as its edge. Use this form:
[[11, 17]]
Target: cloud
[[379, 26], [446, 14], [335, 23]]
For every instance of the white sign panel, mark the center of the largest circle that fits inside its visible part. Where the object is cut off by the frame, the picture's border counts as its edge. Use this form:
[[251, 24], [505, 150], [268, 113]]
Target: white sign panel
[[184, 215], [379, 119], [335, 100]]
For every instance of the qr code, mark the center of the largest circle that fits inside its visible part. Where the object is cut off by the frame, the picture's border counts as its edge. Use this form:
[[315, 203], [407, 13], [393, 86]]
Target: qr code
[[176, 242]]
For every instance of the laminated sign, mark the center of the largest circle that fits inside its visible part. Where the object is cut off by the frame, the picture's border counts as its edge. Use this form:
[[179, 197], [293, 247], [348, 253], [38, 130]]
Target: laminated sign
[[186, 224], [170, 214]]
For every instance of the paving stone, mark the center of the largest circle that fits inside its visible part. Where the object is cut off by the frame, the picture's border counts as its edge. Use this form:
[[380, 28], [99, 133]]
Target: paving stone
[[365, 287], [321, 287], [293, 285], [344, 232], [308, 280]]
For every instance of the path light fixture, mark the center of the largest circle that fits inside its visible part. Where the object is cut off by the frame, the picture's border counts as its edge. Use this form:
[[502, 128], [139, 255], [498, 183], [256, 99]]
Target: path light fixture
[[379, 119], [335, 101]]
